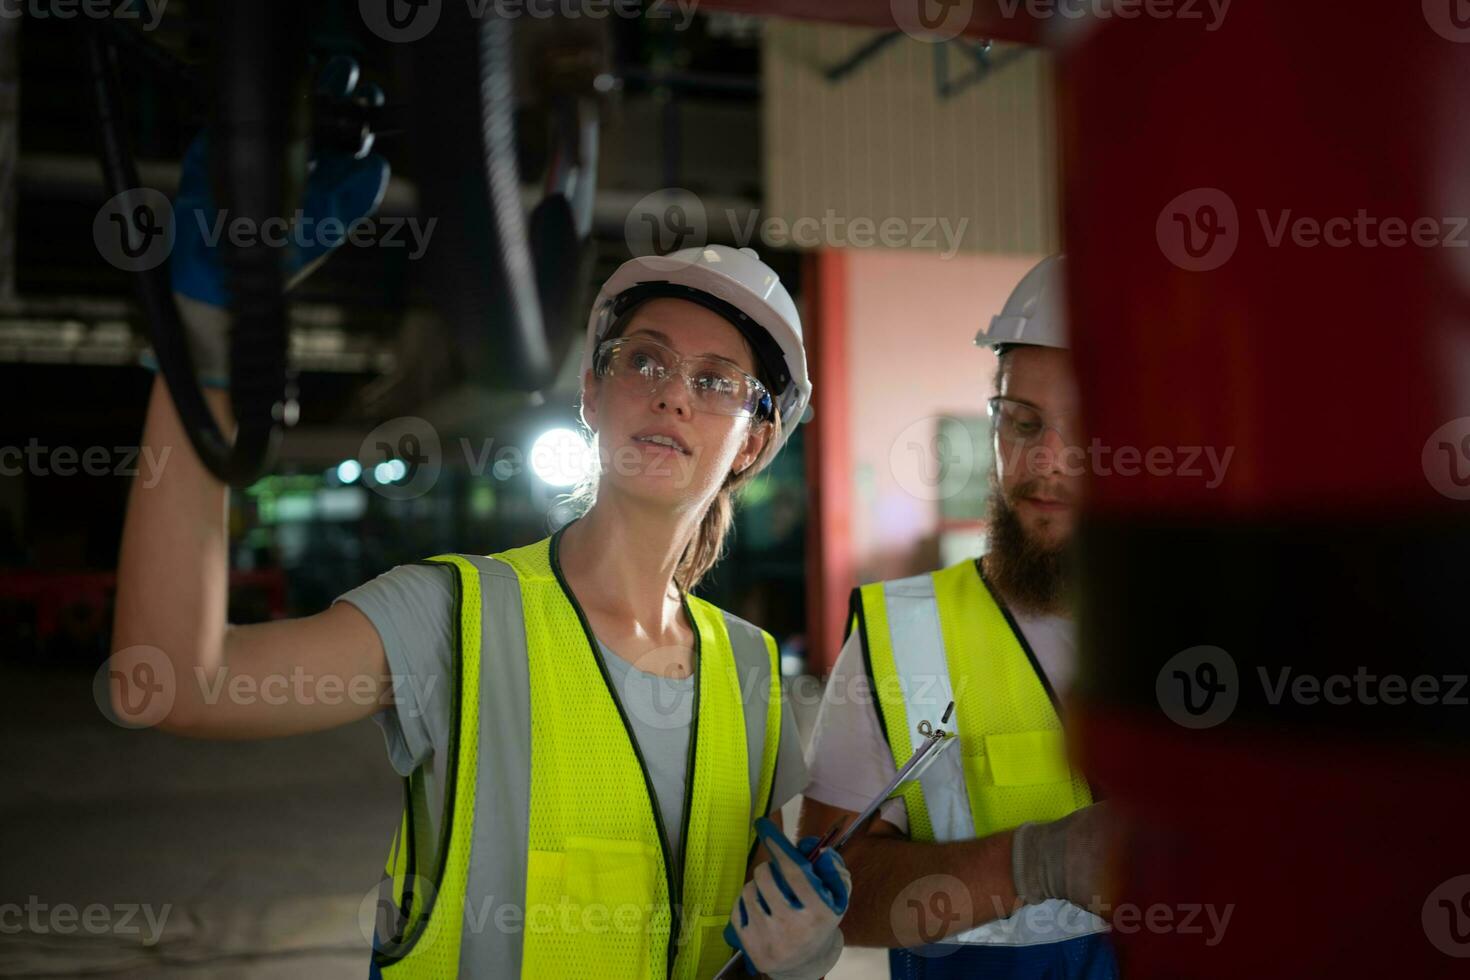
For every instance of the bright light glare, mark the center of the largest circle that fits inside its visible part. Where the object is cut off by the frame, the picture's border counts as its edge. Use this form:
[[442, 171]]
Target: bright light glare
[[349, 470], [561, 457]]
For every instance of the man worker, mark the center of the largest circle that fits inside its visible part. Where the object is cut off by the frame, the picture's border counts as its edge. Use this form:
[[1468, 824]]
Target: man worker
[[985, 866]]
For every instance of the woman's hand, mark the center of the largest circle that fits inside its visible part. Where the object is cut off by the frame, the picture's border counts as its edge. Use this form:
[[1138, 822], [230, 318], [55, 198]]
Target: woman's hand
[[786, 920]]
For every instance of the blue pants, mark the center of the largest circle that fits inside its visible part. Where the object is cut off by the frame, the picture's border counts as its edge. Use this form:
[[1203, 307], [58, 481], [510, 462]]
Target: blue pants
[[1084, 958]]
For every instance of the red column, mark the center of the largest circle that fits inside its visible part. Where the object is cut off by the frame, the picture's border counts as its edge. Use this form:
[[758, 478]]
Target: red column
[[1238, 287], [830, 572]]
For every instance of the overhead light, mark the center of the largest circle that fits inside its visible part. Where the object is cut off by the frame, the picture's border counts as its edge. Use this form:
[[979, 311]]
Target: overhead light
[[561, 457]]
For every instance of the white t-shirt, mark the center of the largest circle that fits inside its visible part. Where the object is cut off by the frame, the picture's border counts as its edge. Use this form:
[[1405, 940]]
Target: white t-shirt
[[848, 758]]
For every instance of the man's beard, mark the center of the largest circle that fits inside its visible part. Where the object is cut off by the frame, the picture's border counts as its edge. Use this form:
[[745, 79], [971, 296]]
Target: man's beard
[[1031, 576]]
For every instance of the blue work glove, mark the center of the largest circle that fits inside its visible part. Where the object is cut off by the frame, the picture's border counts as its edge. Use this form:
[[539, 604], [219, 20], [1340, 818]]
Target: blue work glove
[[786, 919], [340, 189]]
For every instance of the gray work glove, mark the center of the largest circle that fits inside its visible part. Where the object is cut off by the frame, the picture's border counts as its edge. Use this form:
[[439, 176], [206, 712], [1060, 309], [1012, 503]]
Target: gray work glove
[[1065, 858]]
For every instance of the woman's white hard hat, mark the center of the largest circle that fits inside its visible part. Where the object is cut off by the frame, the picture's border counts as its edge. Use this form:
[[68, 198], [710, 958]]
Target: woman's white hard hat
[[738, 285]]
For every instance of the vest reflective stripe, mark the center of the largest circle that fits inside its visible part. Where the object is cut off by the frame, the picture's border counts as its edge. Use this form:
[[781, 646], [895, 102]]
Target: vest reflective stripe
[[597, 894], [942, 636]]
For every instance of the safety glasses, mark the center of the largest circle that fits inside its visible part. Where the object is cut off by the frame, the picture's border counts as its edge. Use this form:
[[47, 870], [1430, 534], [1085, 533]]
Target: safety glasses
[[716, 385], [1023, 425]]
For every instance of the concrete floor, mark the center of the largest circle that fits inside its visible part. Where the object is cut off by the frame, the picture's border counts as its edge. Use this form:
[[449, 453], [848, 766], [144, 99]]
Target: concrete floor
[[198, 859]]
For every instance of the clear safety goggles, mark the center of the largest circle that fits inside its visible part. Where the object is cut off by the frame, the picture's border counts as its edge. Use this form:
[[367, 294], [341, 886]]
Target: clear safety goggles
[[715, 384], [1021, 424]]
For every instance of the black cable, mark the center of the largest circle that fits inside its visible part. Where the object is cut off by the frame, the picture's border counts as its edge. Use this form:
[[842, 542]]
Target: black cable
[[258, 331]]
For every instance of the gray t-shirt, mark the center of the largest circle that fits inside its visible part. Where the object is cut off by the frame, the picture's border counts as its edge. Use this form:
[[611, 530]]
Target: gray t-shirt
[[412, 608], [659, 709]]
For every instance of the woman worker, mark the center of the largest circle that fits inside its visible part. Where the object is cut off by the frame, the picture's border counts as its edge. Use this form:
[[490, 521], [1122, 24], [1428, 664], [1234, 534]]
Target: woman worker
[[584, 743]]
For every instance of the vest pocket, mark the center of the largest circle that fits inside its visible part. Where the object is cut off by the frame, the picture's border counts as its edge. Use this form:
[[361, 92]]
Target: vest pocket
[[712, 951], [1027, 758], [589, 909], [1020, 776]]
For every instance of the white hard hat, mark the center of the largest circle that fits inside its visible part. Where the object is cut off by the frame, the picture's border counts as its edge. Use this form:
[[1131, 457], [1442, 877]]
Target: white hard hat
[[734, 283], [1036, 312]]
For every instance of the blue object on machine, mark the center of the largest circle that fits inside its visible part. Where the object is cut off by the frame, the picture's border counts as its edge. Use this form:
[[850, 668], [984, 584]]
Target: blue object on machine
[[339, 187]]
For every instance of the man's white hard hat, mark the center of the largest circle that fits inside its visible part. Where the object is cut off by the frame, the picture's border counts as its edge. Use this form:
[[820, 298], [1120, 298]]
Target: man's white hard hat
[[1036, 312]]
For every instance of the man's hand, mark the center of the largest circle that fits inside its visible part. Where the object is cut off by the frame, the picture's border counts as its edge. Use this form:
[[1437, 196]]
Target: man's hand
[[786, 919], [1065, 858]]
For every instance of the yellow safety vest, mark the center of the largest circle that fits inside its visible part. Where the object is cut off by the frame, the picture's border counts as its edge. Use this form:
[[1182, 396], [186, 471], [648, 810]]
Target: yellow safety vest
[[600, 898], [942, 636]]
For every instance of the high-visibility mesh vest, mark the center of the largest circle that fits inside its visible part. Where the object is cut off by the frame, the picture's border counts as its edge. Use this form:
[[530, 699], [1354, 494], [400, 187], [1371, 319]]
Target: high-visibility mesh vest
[[601, 899], [940, 637]]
